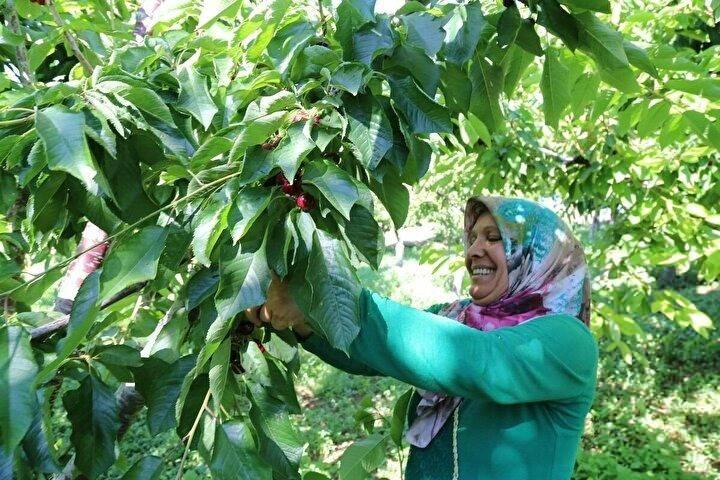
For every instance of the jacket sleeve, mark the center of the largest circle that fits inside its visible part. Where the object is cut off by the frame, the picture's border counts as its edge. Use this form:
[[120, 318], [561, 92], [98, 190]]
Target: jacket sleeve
[[550, 358], [320, 347]]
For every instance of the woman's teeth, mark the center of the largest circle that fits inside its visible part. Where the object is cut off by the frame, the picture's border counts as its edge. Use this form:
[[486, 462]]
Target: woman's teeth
[[483, 271]]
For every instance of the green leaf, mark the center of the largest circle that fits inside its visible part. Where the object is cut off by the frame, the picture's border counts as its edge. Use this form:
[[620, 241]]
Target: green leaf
[[288, 42], [291, 150], [218, 373], [48, 203], [210, 149], [244, 279], [370, 130], [256, 131], [486, 87], [597, 5], [528, 39], [508, 26], [123, 355], [235, 456], [364, 232], [621, 78], [408, 59], [200, 286], [126, 180], [212, 10], [555, 87], [83, 314], [63, 133], [334, 183], [363, 457], [268, 27], [93, 413], [462, 32], [584, 91], [373, 41], [194, 96], [335, 292], [149, 102], [652, 119], [133, 259], [638, 57], [250, 203], [17, 393], [400, 410], [455, 87], [349, 76], [147, 468], [279, 442], [40, 50], [37, 443], [159, 383], [424, 31], [8, 37], [517, 62], [394, 196], [559, 22], [208, 225], [350, 16], [705, 87], [422, 113], [601, 42]]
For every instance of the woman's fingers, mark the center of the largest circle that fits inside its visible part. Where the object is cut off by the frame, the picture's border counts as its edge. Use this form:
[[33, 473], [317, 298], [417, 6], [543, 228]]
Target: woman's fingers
[[252, 314], [265, 314]]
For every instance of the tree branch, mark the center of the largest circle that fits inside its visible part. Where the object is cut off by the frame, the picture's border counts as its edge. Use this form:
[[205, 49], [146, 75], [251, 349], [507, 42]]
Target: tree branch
[[70, 38], [42, 332]]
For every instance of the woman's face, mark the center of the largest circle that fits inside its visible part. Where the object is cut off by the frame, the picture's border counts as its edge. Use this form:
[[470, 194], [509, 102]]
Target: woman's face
[[485, 260]]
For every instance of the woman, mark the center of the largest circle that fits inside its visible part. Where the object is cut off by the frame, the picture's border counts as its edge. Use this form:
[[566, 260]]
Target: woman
[[502, 391]]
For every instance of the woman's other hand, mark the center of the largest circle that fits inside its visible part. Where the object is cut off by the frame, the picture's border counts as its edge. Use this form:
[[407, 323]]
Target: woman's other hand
[[279, 310]]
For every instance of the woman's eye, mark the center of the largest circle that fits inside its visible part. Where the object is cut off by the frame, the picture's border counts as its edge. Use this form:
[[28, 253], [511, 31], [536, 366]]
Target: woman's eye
[[494, 239]]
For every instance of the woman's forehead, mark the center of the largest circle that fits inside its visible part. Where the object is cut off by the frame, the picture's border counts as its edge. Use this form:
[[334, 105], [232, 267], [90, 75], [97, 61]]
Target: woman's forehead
[[485, 221]]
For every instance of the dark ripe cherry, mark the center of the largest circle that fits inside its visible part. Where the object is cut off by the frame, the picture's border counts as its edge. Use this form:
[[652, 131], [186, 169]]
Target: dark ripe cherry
[[245, 328], [281, 180], [292, 189], [306, 202], [508, 3]]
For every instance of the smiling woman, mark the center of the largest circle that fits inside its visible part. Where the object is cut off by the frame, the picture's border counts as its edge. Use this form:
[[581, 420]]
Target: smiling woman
[[514, 366]]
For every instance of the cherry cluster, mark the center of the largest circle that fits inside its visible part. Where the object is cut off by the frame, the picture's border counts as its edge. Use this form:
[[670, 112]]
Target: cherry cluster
[[304, 200]]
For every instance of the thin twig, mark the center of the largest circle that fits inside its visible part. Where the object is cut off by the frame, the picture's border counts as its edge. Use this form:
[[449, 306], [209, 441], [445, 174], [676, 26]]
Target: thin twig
[[70, 38], [191, 434], [322, 18], [16, 121], [26, 76]]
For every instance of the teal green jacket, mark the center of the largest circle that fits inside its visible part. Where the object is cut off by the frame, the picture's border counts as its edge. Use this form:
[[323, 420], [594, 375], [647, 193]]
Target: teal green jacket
[[526, 389]]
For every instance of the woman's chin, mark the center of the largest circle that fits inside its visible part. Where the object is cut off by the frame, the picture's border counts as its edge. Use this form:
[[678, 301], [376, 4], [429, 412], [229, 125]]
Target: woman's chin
[[479, 296]]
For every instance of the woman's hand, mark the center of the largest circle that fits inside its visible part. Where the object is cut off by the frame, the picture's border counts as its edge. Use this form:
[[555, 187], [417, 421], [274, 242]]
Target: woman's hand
[[279, 310]]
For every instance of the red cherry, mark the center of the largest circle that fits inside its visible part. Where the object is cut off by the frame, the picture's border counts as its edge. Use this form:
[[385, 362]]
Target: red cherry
[[306, 202], [289, 188], [281, 180]]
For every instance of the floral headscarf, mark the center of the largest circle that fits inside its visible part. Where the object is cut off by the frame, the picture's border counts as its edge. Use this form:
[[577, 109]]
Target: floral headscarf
[[547, 273]]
